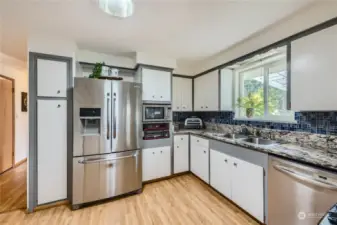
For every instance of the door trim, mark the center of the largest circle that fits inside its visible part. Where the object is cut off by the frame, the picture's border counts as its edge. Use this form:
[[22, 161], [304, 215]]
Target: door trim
[[13, 119]]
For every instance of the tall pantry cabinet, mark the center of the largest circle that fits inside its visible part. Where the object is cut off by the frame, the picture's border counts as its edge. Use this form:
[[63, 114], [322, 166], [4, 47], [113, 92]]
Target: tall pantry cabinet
[[50, 79]]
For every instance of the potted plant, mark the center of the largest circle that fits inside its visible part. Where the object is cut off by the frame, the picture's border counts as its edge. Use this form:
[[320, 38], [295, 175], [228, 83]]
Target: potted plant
[[97, 70], [252, 103]]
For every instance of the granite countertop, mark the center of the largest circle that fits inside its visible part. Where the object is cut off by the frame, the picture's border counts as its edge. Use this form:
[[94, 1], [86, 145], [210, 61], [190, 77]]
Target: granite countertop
[[315, 157]]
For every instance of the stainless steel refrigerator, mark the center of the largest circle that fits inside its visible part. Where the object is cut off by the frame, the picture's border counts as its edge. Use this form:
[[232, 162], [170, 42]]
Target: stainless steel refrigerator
[[107, 139]]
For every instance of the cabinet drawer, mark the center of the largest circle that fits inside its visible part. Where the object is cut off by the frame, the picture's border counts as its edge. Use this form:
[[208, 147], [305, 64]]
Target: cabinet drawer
[[199, 141], [181, 140]]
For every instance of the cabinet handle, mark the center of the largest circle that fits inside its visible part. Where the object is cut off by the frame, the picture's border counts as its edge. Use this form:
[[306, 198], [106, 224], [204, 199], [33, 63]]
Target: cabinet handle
[[58, 106], [235, 164], [181, 139], [202, 107], [205, 152], [152, 152], [177, 146], [177, 107], [161, 151], [226, 160], [152, 96], [58, 92], [161, 96], [197, 140], [206, 107]]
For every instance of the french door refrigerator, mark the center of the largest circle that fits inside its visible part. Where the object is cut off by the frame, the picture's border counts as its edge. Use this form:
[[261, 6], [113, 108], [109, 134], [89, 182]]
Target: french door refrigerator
[[107, 143]]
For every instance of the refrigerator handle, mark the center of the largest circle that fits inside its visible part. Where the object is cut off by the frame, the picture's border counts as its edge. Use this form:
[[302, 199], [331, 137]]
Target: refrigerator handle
[[114, 119], [108, 119]]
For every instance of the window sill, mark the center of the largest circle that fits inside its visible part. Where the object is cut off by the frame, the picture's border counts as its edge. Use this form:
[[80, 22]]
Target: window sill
[[271, 120]]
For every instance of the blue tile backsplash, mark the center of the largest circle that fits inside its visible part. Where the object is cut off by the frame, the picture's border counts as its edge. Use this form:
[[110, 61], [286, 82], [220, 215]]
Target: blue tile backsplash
[[312, 122]]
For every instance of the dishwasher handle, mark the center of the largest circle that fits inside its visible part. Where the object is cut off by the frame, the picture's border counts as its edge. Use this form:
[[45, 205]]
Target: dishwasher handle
[[98, 160], [304, 177]]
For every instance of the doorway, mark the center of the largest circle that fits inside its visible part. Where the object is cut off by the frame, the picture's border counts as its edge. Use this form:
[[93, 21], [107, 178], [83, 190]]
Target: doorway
[[12, 176]]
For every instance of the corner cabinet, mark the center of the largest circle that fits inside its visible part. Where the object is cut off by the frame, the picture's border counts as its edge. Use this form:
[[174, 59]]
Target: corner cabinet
[[314, 71], [156, 85], [206, 92], [200, 158], [156, 162], [240, 181], [182, 94]]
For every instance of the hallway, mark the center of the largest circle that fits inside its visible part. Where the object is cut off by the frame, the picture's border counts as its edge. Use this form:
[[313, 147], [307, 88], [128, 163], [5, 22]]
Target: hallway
[[13, 187]]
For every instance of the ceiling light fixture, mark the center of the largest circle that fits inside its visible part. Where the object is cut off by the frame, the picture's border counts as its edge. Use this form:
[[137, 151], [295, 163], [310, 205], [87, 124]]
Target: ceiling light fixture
[[118, 8]]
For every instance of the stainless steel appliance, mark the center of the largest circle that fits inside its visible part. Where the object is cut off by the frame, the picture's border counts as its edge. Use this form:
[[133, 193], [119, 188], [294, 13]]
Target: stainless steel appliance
[[107, 139], [156, 131], [193, 123], [157, 113], [298, 194]]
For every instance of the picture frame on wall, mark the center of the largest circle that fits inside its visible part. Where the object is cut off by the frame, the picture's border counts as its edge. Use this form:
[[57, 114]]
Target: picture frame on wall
[[24, 102]]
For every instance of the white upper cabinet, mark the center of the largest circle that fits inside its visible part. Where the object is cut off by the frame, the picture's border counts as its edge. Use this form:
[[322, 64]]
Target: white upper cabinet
[[51, 78], [226, 90], [206, 92], [156, 85], [182, 94], [314, 71]]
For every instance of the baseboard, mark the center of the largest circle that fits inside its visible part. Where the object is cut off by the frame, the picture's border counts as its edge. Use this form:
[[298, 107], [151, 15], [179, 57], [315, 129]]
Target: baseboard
[[20, 162], [166, 178], [51, 205]]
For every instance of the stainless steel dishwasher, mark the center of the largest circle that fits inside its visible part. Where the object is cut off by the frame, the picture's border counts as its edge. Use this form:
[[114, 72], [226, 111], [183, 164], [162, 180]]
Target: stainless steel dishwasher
[[298, 194]]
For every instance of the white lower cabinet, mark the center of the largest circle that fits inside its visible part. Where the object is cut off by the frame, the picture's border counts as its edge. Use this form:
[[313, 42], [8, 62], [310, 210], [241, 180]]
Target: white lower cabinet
[[156, 162], [240, 181], [51, 150], [181, 154], [221, 172], [200, 162]]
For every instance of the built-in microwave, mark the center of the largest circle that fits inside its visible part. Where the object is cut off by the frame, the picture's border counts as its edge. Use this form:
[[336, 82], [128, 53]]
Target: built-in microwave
[[157, 113]]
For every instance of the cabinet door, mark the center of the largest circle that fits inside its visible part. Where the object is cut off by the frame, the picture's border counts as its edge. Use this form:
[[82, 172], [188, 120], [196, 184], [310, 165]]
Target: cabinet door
[[313, 71], [51, 150], [163, 168], [220, 172], [211, 91], [181, 153], [226, 89], [245, 176], [51, 78], [149, 163], [186, 94], [176, 93], [199, 93], [204, 164], [156, 85]]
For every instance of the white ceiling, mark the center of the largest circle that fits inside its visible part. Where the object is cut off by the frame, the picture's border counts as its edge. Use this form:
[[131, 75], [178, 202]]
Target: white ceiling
[[183, 29]]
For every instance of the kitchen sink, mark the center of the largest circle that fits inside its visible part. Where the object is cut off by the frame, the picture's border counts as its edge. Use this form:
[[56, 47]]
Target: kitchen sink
[[259, 141]]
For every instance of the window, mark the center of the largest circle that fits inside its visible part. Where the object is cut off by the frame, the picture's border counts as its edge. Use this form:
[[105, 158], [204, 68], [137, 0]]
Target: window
[[262, 87]]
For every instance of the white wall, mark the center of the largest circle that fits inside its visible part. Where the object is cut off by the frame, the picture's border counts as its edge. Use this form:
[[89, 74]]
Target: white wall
[[108, 59], [155, 60], [310, 16], [16, 69]]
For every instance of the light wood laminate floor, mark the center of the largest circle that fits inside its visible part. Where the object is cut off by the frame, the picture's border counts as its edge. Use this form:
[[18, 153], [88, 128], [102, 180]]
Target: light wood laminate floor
[[181, 200], [13, 186]]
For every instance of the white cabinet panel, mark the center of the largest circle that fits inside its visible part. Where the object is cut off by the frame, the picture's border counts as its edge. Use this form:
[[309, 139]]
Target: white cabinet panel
[[206, 92], [199, 141], [51, 78], [226, 90], [149, 163], [314, 71], [156, 163], [221, 172], [182, 94], [51, 150], [199, 159], [156, 85], [181, 153], [247, 175]]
